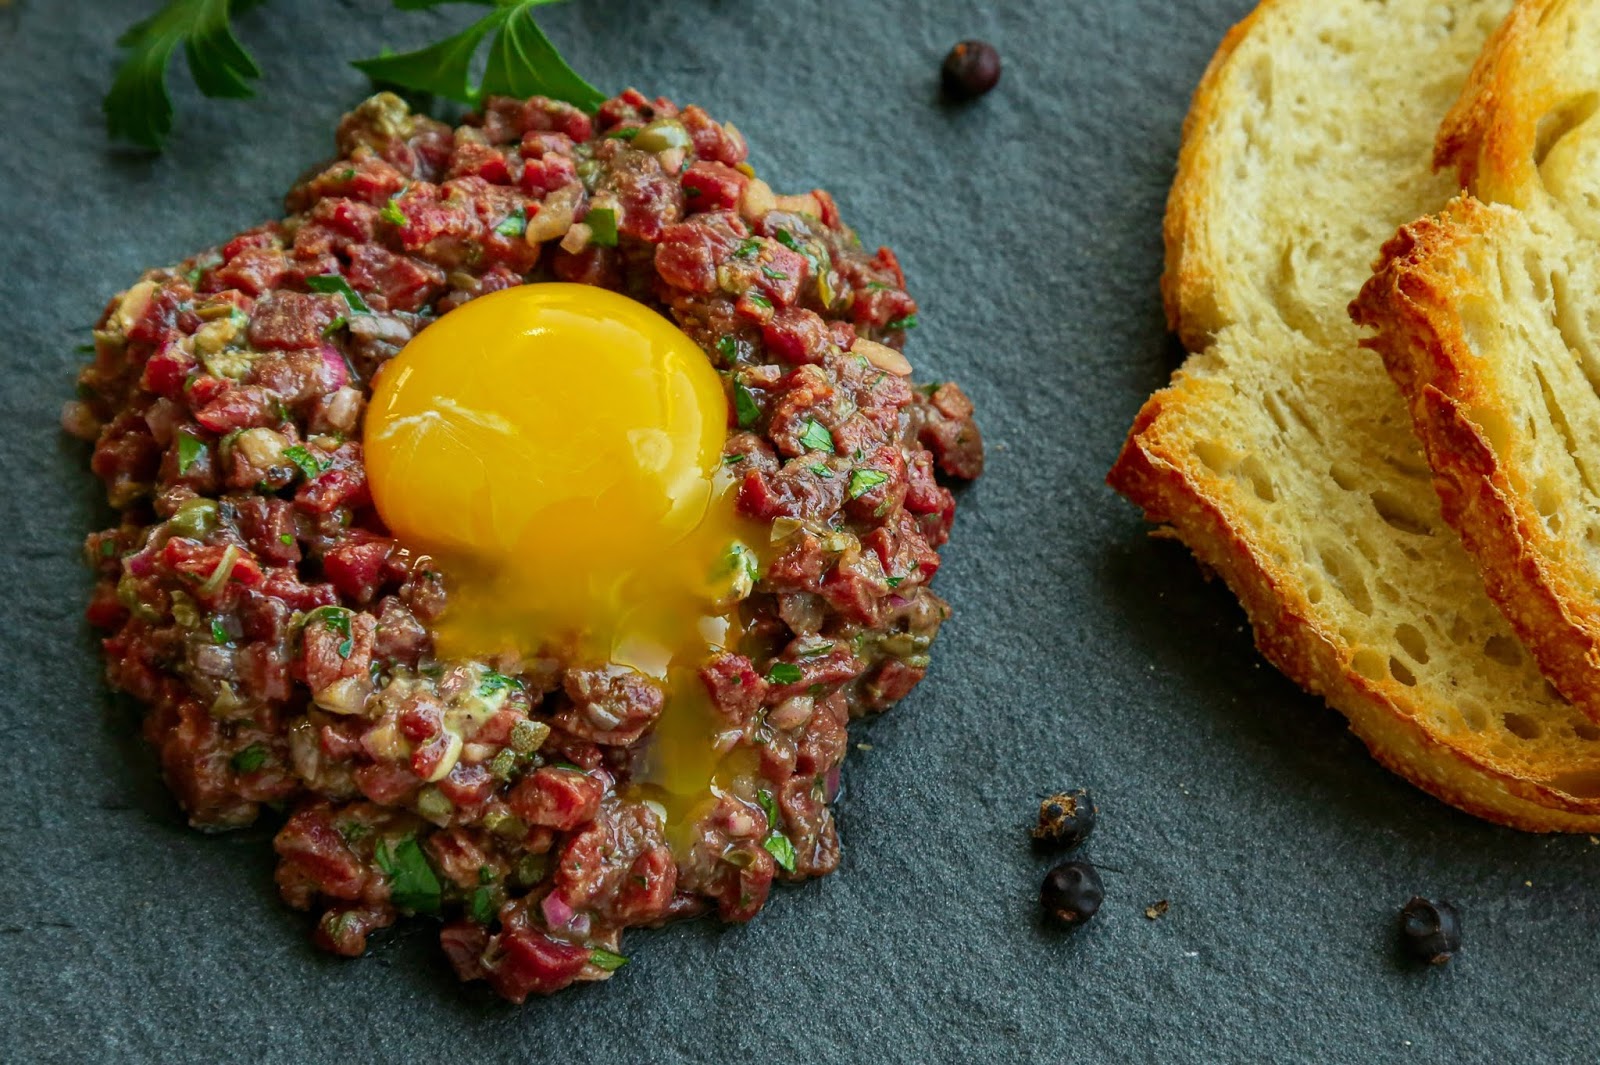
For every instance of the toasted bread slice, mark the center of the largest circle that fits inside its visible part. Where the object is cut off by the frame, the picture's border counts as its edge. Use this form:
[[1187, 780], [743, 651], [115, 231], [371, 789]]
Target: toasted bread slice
[[1281, 453], [1488, 318]]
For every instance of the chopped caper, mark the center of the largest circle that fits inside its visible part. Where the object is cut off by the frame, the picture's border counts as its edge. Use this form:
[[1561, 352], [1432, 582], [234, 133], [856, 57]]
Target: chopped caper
[[432, 804], [661, 135], [196, 518]]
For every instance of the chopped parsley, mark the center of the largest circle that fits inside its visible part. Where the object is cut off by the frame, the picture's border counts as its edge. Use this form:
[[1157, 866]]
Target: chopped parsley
[[878, 286], [626, 133], [786, 238], [893, 582], [412, 882], [744, 405], [776, 275], [336, 618], [733, 460], [902, 324], [497, 682], [189, 451], [864, 481], [816, 437], [219, 632], [334, 326], [784, 673], [286, 538], [393, 214], [602, 226], [605, 959], [748, 248], [250, 758], [309, 464], [333, 284], [821, 470], [514, 224], [483, 907], [776, 844], [759, 300]]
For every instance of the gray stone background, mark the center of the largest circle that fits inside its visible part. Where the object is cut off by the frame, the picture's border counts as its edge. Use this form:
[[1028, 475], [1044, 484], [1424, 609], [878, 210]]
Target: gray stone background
[[1081, 652]]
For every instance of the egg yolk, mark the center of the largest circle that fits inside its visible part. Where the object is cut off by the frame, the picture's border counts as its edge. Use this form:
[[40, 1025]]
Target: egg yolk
[[557, 450]]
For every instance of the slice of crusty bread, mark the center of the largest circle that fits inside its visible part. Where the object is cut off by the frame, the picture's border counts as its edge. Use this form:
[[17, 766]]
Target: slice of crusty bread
[[1488, 318], [1282, 455]]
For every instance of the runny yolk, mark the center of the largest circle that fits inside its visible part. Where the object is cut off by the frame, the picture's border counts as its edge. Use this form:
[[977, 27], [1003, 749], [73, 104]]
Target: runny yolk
[[557, 450]]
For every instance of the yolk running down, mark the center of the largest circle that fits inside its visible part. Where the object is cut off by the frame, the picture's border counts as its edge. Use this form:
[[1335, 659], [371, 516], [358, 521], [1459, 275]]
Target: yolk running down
[[557, 450]]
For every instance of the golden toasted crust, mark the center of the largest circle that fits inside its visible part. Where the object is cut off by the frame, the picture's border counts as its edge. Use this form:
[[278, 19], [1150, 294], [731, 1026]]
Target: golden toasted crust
[[1405, 719], [1153, 472], [1414, 303], [1188, 284], [1491, 135]]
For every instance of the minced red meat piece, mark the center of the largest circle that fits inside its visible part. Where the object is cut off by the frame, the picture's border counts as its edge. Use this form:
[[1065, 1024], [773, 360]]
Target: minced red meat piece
[[282, 639]]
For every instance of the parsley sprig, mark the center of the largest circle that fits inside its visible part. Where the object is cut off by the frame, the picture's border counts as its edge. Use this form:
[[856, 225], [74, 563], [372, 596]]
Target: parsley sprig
[[138, 108], [521, 62]]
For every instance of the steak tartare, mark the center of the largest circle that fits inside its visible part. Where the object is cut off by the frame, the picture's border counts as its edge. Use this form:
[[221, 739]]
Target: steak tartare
[[281, 638]]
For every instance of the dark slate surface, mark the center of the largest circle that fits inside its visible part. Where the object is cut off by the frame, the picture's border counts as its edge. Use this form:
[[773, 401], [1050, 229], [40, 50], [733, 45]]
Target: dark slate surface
[[1081, 652]]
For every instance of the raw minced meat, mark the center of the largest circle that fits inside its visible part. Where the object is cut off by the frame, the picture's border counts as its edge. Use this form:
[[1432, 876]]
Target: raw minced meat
[[281, 639]]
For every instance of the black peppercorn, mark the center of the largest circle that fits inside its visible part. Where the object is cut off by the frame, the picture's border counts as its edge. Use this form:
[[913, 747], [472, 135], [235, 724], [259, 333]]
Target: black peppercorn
[[1071, 894], [1430, 931], [1065, 819], [971, 69]]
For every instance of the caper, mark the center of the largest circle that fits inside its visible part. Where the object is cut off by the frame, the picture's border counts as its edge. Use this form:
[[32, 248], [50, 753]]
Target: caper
[[661, 135]]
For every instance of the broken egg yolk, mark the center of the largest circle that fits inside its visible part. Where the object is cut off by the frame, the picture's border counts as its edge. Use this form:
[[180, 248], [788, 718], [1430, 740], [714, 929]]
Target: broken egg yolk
[[556, 449]]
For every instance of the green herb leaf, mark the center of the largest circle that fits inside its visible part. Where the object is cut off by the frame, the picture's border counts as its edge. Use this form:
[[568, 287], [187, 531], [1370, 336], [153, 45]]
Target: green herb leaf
[[732, 460], [786, 238], [782, 851], [748, 248], [758, 299], [893, 582], [744, 405], [602, 223], [392, 213], [309, 464], [250, 758], [336, 618], [769, 806], [784, 673], [496, 682], [514, 224], [219, 632], [189, 451], [864, 481], [625, 133], [412, 882], [483, 907], [335, 285], [286, 538], [522, 61], [776, 275], [908, 322], [604, 959], [334, 326], [728, 347], [821, 471], [816, 436], [878, 286], [138, 108]]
